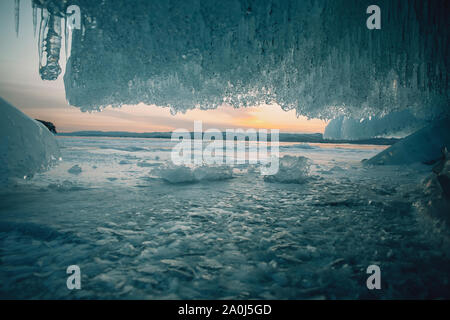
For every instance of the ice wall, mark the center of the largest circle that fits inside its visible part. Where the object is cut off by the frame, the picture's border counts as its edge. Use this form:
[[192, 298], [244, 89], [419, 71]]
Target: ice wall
[[395, 124], [315, 56], [423, 146], [26, 146]]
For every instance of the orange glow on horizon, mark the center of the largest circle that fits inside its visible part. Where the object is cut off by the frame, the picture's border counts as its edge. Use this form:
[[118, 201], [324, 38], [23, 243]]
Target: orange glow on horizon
[[145, 118]]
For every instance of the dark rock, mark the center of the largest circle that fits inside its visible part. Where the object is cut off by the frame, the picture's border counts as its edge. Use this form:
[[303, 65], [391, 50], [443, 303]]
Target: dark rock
[[444, 181], [50, 126], [437, 190], [440, 163], [442, 170]]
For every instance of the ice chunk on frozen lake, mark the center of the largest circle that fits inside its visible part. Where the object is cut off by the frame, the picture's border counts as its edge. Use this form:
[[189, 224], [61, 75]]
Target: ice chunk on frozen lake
[[291, 170], [76, 169], [183, 174]]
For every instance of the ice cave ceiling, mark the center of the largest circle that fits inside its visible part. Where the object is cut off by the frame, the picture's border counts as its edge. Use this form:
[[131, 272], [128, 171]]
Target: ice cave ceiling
[[315, 56]]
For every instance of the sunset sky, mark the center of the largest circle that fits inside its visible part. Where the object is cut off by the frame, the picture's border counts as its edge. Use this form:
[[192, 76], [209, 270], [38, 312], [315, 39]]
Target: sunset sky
[[20, 84]]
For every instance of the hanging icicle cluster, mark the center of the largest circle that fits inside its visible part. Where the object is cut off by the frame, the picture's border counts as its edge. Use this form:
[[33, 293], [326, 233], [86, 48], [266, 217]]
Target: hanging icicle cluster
[[315, 56], [50, 34]]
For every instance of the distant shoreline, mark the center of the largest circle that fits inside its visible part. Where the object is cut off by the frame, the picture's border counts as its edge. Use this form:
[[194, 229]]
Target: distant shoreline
[[284, 137]]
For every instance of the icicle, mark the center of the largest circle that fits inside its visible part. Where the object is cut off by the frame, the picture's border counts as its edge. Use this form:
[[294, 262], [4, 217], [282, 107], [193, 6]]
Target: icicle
[[66, 37], [16, 16], [42, 29], [34, 18], [52, 35]]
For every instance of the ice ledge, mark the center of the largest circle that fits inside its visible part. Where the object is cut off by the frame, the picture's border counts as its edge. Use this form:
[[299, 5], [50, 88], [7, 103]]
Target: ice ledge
[[26, 146], [423, 146]]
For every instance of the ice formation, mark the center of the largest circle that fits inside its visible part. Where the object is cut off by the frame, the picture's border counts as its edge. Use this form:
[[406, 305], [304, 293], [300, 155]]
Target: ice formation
[[183, 174], [76, 169], [17, 15], [396, 124], [292, 169], [27, 146], [49, 45], [423, 146], [315, 56], [34, 17]]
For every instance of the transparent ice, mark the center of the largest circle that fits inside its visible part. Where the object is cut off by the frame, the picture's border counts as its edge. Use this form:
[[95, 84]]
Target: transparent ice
[[314, 56]]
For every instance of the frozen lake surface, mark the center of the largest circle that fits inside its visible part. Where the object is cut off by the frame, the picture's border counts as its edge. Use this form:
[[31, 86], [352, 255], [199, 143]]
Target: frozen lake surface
[[134, 235]]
